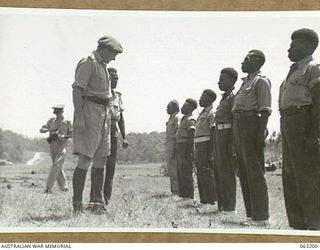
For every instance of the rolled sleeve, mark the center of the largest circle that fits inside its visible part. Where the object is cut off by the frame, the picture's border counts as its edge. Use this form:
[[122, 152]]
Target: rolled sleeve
[[212, 120], [264, 95], [83, 73], [191, 124], [314, 76]]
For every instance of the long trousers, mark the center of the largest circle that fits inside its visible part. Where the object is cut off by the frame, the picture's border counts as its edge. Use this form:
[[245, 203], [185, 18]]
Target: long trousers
[[226, 169], [250, 169], [171, 160], [300, 173], [185, 170], [205, 176], [58, 154]]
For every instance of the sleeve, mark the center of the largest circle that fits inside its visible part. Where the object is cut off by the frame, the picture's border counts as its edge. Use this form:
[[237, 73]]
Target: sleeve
[[83, 73], [48, 124], [120, 102], [314, 78], [264, 95], [191, 124], [211, 119]]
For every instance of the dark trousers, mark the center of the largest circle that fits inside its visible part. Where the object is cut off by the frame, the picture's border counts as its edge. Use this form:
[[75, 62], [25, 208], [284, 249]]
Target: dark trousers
[[300, 173], [108, 175], [226, 169], [185, 170], [205, 177], [251, 173]]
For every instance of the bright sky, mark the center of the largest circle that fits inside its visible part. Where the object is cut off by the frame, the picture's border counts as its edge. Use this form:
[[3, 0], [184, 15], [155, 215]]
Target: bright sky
[[166, 55]]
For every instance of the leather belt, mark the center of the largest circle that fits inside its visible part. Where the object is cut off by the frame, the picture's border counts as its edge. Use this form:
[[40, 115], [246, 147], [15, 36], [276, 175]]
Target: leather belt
[[181, 140], [295, 110], [246, 113], [202, 139], [96, 100], [221, 126]]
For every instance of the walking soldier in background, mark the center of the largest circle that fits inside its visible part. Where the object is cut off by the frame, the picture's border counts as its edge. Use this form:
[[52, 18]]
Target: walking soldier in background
[[204, 136], [91, 95], [116, 110], [252, 107], [171, 129], [60, 131], [300, 122], [185, 151], [224, 143]]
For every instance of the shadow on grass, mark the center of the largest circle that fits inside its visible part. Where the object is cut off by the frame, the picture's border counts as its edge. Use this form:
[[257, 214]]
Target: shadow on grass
[[161, 195], [46, 218]]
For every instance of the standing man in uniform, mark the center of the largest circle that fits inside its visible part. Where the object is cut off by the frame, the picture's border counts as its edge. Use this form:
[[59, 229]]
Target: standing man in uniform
[[252, 107], [224, 142], [300, 122], [60, 131], [117, 120], [91, 95], [185, 151], [204, 136], [171, 129]]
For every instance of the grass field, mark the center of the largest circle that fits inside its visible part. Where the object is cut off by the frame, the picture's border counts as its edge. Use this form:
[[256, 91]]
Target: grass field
[[140, 199]]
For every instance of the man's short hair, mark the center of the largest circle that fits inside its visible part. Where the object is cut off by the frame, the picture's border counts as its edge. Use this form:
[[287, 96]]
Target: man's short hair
[[231, 72], [211, 93], [192, 102], [175, 104], [309, 35], [259, 54]]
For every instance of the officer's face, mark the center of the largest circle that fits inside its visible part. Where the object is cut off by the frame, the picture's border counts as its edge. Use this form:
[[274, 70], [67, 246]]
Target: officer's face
[[57, 111], [187, 108], [205, 100], [108, 55], [250, 64], [298, 50], [226, 82]]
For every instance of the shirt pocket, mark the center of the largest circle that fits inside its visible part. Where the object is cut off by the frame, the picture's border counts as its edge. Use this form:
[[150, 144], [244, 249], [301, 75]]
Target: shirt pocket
[[299, 80]]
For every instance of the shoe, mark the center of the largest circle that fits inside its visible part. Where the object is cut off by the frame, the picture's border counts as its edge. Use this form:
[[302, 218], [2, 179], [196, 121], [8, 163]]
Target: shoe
[[47, 191], [208, 208], [77, 207], [228, 216], [90, 206], [99, 208], [255, 223]]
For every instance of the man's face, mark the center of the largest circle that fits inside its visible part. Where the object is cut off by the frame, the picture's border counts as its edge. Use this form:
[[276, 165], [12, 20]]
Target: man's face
[[108, 55], [226, 82], [57, 111], [298, 50], [250, 63], [205, 100], [171, 108], [187, 108]]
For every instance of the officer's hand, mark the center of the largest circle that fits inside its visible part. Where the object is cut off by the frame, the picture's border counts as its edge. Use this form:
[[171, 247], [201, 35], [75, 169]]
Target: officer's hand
[[125, 143]]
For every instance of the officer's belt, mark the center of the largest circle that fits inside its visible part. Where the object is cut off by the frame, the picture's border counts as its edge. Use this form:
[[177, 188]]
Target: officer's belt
[[181, 140], [170, 138], [96, 100], [246, 113], [202, 139], [221, 126], [295, 110]]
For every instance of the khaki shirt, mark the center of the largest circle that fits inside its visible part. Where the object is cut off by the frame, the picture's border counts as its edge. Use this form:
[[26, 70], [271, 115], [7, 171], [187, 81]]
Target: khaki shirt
[[187, 123], [205, 122], [172, 126], [254, 94], [296, 89], [223, 113], [116, 106], [63, 126], [91, 76]]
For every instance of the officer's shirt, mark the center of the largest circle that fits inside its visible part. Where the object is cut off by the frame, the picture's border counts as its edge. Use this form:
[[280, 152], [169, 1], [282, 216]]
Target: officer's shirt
[[116, 106], [62, 126], [296, 89], [172, 126], [223, 113], [91, 76], [254, 94], [187, 123], [205, 122]]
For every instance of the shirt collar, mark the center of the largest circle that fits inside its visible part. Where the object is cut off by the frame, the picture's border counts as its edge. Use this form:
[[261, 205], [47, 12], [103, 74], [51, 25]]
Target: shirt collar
[[174, 114], [251, 76], [227, 93], [208, 108], [98, 57], [302, 64]]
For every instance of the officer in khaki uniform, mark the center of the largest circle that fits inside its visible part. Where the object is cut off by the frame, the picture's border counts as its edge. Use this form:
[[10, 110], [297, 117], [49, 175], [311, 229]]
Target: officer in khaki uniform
[[252, 107], [91, 141], [117, 119], [300, 122], [60, 131], [185, 151], [224, 142], [204, 136], [171, 129]]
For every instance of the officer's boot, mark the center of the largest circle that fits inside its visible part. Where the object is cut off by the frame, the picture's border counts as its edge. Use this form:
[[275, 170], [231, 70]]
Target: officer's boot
[[96, 186], [78, 181]]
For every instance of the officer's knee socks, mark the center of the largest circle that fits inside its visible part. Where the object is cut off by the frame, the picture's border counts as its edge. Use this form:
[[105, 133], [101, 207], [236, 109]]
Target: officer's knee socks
[[78, 182], [96, 184]]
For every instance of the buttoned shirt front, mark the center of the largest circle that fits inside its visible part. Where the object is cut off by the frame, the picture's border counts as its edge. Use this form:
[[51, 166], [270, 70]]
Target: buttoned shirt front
[[254, 94], [296, 89], [59, 125], [91, 76], [205, 122], [187, 123], [172, 126], [116, 106], [223, 113]]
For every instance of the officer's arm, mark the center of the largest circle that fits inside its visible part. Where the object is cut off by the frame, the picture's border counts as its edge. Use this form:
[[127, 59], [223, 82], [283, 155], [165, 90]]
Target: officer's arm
[[122, 128], [190, 140], [77, 103], [45, 128], [315, 92]]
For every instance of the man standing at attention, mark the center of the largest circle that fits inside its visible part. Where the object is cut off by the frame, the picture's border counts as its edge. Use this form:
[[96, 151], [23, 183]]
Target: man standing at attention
[[224, 142], [60, 131], [300, 123], [204, 136], [185, 151], [171, 129], [91, 94], [252, 107]]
